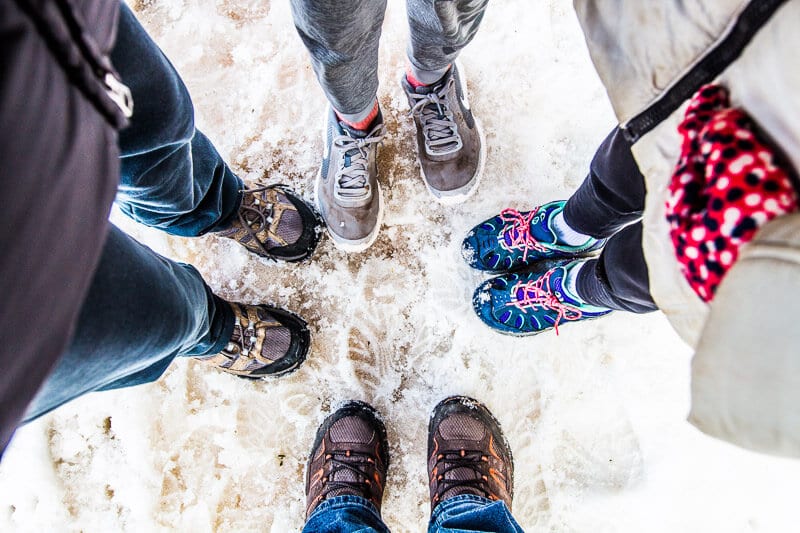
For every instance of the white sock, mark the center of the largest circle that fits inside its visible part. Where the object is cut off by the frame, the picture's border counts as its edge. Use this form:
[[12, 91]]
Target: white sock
[[566, 234], [570, 282], [570, 286]]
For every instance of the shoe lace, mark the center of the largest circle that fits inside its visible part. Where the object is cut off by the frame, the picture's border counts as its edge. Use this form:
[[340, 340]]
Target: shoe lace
[[258, 214], [521, 237], [474, 460], [352, 176], [244, 337], [538, 293], [438, 125], [359, 463]]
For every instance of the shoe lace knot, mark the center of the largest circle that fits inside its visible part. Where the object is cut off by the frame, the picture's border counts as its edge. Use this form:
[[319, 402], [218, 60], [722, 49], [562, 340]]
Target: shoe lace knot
[[350, 471], [519, 232], [455, 472], [256, 215], [436, 116], [352, 174], [538, 293], [243, 340]]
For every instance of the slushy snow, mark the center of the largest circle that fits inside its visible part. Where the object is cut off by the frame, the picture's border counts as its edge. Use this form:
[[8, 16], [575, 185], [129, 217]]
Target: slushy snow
[[595, 416]]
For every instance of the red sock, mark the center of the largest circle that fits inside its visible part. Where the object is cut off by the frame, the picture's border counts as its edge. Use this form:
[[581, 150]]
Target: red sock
[[361, 124], [412, 80]]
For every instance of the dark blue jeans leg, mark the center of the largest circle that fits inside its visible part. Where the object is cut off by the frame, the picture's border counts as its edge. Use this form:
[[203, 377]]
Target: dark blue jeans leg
[[172, 177], [345, 514], [470, 514], [141, 312], [609, 204]]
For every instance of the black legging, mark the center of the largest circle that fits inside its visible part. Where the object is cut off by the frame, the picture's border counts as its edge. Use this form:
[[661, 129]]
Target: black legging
[[609, 205]]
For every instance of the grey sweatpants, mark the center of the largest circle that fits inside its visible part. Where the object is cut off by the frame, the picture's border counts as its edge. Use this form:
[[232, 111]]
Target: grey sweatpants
[[342, 37]]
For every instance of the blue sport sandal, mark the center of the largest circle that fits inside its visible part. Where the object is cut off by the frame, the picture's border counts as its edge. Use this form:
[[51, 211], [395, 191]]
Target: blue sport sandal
[[527, 303], [513, 240]]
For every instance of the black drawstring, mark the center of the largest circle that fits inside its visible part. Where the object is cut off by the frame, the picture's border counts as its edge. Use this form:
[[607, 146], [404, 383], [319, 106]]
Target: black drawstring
[[90, 72]]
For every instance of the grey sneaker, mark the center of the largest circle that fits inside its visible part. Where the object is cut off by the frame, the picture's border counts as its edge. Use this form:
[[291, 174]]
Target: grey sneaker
[[450, 143], [347, 190]]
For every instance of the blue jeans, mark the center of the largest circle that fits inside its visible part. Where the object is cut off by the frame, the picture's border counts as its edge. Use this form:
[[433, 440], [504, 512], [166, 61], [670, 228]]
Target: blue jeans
[[143, 310], [460, 514]]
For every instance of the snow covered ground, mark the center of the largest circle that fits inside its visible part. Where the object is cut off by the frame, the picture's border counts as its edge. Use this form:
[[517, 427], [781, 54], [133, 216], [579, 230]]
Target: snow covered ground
[[595, 416]]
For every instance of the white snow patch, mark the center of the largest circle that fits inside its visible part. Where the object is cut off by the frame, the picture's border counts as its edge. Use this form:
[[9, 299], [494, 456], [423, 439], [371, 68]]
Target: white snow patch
[[595, 416]]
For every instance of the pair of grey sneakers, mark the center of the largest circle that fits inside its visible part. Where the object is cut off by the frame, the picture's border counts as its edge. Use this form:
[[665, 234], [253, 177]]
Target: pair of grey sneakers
[[450, 150]]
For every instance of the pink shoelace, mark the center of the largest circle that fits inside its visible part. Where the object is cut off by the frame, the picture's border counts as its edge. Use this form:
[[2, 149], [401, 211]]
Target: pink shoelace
[[537, 293], [521, 238]]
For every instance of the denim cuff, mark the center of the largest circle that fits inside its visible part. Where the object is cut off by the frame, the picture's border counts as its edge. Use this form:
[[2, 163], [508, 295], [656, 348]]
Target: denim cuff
[[449, 503], [231, 197], [359, 509], [220, 326]]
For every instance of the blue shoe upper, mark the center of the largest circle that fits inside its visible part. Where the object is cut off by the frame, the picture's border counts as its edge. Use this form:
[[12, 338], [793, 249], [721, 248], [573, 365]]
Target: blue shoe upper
[[530, 302], [513, 240]]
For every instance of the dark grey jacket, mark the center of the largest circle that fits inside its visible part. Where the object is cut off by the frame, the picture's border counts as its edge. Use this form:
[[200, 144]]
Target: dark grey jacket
[[59, 172]]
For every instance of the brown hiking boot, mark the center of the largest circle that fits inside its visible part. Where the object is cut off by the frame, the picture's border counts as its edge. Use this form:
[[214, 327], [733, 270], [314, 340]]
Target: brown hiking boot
[[347, 189], [350, 456], [467, 453], [266, 341], [450, 144], [274, 222]]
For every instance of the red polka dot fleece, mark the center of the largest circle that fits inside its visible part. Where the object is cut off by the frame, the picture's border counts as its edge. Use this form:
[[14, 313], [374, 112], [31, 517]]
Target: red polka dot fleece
[[727, 184]]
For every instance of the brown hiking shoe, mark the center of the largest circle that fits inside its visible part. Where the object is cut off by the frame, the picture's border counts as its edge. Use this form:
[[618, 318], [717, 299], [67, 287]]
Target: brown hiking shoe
[[467, 453], [450, 144], [350, 456], [347, 189], [266, 341], [274, 222]]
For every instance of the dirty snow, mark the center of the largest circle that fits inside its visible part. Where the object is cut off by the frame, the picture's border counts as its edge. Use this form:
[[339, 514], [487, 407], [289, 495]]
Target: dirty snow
[[595, 416]]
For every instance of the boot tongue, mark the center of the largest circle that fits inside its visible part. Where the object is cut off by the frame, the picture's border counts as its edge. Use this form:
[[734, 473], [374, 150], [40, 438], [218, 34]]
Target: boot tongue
[[424, 89], [463, 431], [236, 337], [361, 134], [357, 432], [428, 89], [510, 235], [358, 134], [462, 474], [345, 475], [353, 132], [557, 285]]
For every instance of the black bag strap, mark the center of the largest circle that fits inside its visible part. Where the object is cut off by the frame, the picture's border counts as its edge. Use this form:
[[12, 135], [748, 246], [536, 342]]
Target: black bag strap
[[727, 49]]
